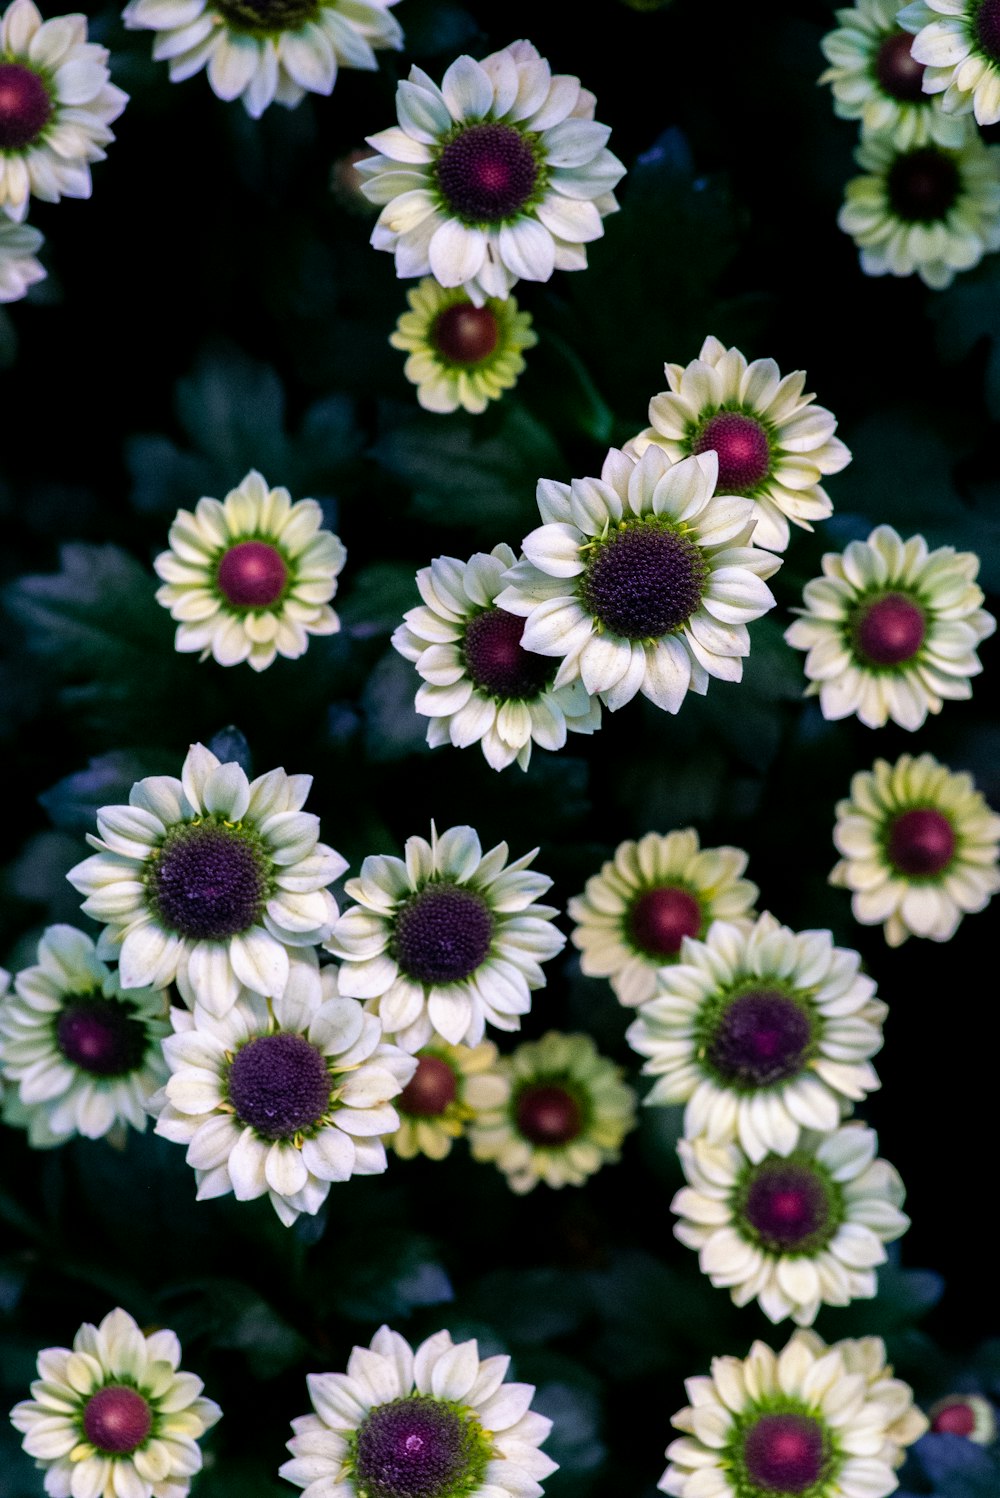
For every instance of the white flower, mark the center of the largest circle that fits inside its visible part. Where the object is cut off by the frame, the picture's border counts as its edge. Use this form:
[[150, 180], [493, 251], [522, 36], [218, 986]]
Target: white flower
[[19, 269], [929, 212], [919, 847], [461, 355], [481, 685], [281, 1098], [762, 1033], [56, 107], [958, 41], [773, 444], [634, 914], [446, 938], [114, 1415], [83, 1053], [436, 1420], [642, 580], [500, 173], [266, 51], [210, 881], [452, 1085], [828, 1421], [793, 1232], [891, 629]]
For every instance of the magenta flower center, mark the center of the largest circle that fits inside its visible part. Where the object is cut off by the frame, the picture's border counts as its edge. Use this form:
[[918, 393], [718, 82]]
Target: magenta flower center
[[784, 1453], [25, 106], [660, 918], [741, 444], [760, 1038], [644, 581], [442, 934], [466, 334], [279, 1085], [923, 185], [958, 1419], [498, 663], [429, 1091], [416, 1448], [208, 882], [117, 1420], [988, 28], [548, 1114], [898, 71], [101, 1036], [890, 630], [252, 575], [787, 1206], [487, 173], [921, 842]]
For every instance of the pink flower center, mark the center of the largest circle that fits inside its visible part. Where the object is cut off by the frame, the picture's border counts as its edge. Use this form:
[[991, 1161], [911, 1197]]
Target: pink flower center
[[466, 334], [760, 1038], [487, 173], [787, 1206], [497, 661], [117, 1420], [921, 842], [661, 918], [898, 71], [101, 1036], [25, 106], [252, 575], [891, 630], [958, 1419], [784, 1453], [548, 1114], [431, 1088], [743, 450]]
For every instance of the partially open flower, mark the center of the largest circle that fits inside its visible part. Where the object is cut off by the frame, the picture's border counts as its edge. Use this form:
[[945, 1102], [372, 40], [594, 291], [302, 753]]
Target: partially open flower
[[968, 1415], [451, 1087], [461, 355]]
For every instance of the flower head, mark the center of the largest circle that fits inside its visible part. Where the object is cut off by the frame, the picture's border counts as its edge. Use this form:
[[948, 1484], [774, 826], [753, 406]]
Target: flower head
[[252, 577], [642, 580], [500, 173], [919, 848], [210, 881], [461, 354], [431, 1422], [451, 1087], [634, 914], [969, 1415], [480, 684], [446, 938], [19, 269], [958, 43], [115, 1415]]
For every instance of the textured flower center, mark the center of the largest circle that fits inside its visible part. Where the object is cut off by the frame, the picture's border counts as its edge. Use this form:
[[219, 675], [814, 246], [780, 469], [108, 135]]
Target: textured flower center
[[267, 16], [761, 1037], [660, 918], [442, 934], [487, 173], [890, 630], [279, 1085], [209, 881], [898, 71], [787, 1206], [429, 1091], [466, 334], [988, 28], [418, 1448], [497, 661], [252, 575], [923, 185], [785, 1453], [548, 1114], [743, 450], [25, 106], [644, 581], [101, 1036], [117, 1420], [958, 1419], [921, 842]]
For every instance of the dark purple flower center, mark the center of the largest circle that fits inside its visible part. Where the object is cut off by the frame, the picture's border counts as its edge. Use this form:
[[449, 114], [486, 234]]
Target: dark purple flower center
[[208, 882], [429, 1091], [785, 1453], [660, 918], [25, 106], [267, 16], [921, 842], [252, 575], [923, 185], [117, 1420], [644, 581], [958, 1419], [466, 334], [101, 1036], [988, 28], [760, 1038], [442, 934], [742, 447], [548, 1114], [890, 630], [496, 660], [787, 1205], [279, 1085], [487, 173], [418, 1448], [897, 70]]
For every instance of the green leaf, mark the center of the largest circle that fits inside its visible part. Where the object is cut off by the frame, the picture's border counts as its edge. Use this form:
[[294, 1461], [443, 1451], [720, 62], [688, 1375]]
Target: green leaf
[[393, 727], [72, 803], [379, 596]]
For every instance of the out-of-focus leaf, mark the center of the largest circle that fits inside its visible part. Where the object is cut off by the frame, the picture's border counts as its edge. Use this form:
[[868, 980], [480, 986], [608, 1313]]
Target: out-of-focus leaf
[[72, 803], [959, 1468], [393, 727], [234, 1316], [378, 598], [230, 746]]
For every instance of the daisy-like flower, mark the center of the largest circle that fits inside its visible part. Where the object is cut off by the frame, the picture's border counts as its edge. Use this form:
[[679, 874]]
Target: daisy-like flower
[[968, 1415], [83, 1053], [56, 107], [210, 881], [500, 173], [830, 1422], [773, 444], [958, 42], [643, 580], [480, 684], [435, 1420], [762, 1032], [451, 1086], [891, 629], [252, 577], [114, 1414], [461, 354], [878, 81], [791, 1232], [19, 269], [566, 1114], [282, 1098], [634, 914], [919, 846], [266, 51], [930, 211], [446, 938]]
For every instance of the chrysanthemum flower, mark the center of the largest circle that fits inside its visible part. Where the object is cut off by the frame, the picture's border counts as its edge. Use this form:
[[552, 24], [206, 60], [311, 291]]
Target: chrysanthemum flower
[[500, 173], [891, 629], [772, 443], [83, 1054], [878, 81], [437, 1421], [210, 880], [642, 580], [266, 51], [919, 846], [762, 1033], [830, 1422], [282, 1098], [566, 1114], [446, 938], [461, 355], [929, 212], [958, 41], [968, 1415], [252, 577], [480, 684], [791, 1232], [635, 913], [451, 1086], [56, 107], [19, 269], [114, 1415]]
